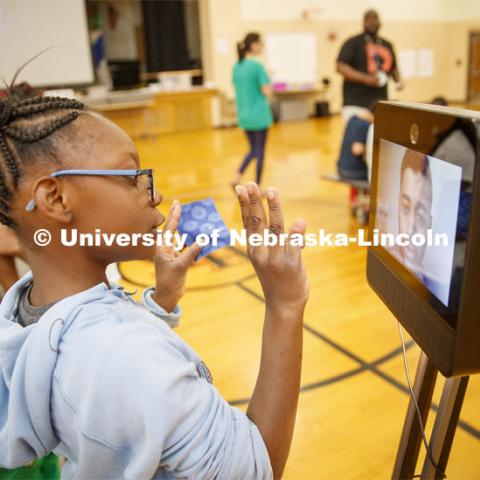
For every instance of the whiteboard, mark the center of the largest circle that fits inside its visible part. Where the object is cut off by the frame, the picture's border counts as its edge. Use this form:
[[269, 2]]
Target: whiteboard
[[407, 62], [29, 26], [292, 57]]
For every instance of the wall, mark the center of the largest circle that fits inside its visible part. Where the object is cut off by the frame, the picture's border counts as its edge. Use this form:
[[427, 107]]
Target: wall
[[224, 22], [345, 10], [458, 57]]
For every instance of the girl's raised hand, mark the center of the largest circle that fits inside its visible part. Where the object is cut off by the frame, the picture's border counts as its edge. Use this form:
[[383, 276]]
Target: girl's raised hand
[[279, 268], [171, 266]]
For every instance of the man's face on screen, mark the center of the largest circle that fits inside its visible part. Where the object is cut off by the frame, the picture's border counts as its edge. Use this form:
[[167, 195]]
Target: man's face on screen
[[415, 212]]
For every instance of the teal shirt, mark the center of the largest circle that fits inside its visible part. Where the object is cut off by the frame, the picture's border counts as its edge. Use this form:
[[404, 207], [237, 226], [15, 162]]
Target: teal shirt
[[253, 110]]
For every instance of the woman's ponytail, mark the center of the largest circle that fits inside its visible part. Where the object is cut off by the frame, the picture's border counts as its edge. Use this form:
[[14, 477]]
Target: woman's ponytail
[[245, 45], [241, 51]]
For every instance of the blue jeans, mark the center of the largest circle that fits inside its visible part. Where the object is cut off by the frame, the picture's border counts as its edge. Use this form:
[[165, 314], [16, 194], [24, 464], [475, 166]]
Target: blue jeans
[[256, 140], [353, 174]]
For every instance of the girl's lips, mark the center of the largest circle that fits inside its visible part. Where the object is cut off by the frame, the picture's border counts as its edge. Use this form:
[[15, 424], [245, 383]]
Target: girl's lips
[[159, 220]]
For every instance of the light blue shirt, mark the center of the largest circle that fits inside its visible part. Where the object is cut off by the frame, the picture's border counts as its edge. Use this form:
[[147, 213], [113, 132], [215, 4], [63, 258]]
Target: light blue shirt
[[105, 382]]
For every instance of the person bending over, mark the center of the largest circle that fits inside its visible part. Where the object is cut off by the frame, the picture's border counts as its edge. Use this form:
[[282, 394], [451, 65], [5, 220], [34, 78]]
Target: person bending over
[[352, 163]]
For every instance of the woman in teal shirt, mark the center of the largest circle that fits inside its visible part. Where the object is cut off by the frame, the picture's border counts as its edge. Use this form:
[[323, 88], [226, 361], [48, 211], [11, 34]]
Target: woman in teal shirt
[[252, 90]]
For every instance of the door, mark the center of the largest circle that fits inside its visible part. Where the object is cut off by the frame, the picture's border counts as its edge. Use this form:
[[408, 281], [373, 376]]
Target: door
[[474, 67]]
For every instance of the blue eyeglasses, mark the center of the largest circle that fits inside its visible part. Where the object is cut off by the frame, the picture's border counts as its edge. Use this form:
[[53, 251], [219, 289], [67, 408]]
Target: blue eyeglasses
[[143, 177]]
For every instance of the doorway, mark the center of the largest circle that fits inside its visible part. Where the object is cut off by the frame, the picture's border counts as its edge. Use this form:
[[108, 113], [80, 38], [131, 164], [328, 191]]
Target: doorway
[[474, 67]]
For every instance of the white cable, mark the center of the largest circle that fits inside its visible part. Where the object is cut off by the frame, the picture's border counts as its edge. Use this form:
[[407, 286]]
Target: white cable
[[419, 416]]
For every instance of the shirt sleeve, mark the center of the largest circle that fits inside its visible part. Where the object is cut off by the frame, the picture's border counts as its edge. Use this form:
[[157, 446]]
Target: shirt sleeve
[[172, 318], [173, 418], [263, 78], [347, 53]]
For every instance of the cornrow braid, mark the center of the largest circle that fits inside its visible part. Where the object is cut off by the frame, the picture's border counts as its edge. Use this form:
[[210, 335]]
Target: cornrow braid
[[31, 108], [4, 192], [3, 206], [27, 107], [6, 220], [39, 133], [10, 161]]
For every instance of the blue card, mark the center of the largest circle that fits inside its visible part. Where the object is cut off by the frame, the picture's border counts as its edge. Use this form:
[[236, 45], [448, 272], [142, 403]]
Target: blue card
[[202, 217]]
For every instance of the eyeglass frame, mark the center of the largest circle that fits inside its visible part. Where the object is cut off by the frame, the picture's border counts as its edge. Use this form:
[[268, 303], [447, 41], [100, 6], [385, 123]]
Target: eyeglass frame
[[119, 173]]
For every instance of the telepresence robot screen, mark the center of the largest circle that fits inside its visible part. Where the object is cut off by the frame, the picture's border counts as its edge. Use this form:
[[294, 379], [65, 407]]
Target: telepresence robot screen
[[424, 257], [424, 201]]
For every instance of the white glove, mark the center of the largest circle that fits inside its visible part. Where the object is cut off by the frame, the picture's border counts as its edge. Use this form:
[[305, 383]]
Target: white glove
[[382, 78]]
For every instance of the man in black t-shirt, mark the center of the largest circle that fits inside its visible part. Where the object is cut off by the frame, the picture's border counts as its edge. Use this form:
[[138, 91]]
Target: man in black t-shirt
[[366, 61]]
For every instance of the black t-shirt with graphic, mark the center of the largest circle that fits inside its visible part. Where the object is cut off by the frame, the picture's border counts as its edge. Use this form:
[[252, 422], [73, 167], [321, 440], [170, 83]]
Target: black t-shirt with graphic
[[368, 56]]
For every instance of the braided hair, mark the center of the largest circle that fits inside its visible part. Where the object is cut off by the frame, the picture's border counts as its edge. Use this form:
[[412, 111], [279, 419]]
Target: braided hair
[[22, 124]]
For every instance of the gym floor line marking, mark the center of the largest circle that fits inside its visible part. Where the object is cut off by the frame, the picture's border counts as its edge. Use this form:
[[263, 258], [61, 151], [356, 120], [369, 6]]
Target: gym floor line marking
[[312, 386], [465, 426], [135, 283], [216, 261], [337, 346], [237, 251], [364, 366], [372, 366]]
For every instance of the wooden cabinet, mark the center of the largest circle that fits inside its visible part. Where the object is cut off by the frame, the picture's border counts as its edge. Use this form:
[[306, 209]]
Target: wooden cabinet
[[165, 112]]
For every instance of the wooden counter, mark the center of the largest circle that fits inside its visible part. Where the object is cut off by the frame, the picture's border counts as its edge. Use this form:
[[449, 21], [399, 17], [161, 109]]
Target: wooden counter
[[151, 114], [180, 111], [295, 104]]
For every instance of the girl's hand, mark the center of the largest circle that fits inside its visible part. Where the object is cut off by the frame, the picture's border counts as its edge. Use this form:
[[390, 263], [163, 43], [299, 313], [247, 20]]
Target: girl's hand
[[171, 266], [279, 268]]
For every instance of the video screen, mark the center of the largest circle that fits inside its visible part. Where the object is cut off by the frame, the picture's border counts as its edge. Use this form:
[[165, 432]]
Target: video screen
[[419, 196]]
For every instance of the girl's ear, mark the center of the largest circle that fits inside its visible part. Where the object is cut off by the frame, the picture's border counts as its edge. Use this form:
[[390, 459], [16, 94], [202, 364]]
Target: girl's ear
[[51, 199]]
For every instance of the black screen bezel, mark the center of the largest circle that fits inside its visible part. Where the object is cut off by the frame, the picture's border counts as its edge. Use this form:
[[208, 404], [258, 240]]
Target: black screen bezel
[[393, 122]]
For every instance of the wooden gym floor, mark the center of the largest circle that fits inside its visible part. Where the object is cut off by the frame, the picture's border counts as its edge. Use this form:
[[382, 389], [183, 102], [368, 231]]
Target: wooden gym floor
[[354, 397]]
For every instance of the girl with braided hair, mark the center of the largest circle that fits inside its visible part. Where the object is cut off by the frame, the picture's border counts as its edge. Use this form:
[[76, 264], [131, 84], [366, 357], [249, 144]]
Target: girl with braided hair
[[9, 245], [88, 372]]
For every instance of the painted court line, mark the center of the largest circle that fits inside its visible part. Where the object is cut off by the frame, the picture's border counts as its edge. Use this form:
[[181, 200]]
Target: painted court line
[[372, 366]]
